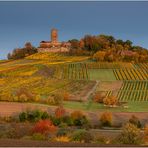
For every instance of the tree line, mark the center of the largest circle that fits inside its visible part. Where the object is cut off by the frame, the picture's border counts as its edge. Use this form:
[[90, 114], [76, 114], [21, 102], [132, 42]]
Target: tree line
[[99, 47], [107, 48], [19, 53]]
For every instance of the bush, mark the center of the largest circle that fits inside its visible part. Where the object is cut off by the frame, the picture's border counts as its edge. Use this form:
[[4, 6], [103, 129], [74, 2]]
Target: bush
[[60, 112], [24, 95], [110, 101], [56, 121], [38, 136], [79, 119], [23, 117], [33, 116], [62, 139], [98, 98], [146, 134], [106, 119], [44, 127], [62, 132], [55, 99], [45, 115], [134, 120], [65, 96], [130, 135], [82, 136], [68, 120]]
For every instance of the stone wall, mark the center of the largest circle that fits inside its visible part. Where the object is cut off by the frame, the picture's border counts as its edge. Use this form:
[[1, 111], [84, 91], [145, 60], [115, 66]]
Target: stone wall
[[60, 49]]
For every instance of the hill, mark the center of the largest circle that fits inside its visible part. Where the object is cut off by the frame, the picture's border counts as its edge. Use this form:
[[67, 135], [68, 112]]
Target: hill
[[43, 76]]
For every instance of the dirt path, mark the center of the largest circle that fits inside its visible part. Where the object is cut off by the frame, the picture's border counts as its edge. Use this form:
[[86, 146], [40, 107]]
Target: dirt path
[[91, 91]]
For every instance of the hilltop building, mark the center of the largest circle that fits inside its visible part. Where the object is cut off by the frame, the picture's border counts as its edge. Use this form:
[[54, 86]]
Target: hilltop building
[[54, 45]]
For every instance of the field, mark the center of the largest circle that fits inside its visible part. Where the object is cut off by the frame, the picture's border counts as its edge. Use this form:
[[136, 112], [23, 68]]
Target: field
[[45, 74]]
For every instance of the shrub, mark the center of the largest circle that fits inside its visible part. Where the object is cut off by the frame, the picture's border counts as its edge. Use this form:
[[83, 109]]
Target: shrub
[[58, 99], [38, 136], [79, 119], [44, 127], [62, 139], [45, 115], [130, 135], [23, 116], [24, 95], [82, 136], [65, 96], [33, 116], [146, 134], [134, 120], [106, 119], [68, 120], [62, 132], [98, 98], [110, 101], [60, 112], [56, 121]]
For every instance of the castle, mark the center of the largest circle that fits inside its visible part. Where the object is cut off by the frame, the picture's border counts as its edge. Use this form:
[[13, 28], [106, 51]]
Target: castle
[[54, 45]]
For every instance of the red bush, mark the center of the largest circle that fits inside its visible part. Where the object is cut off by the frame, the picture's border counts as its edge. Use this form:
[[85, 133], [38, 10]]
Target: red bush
[[60, 112], [44, 127]]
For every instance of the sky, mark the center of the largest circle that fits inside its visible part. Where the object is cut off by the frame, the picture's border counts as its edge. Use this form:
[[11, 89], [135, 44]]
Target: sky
[[21, 22]]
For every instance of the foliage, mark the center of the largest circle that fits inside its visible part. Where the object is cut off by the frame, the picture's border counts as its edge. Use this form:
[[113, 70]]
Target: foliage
[[79, 119], [20, 53], [38, 136], [130, 135], [98, 98], [60, 112], [110, 101], [134, 120], [62, 139], [146, 133], [82, 136], [33, 116], [106, 119], [62, 132], [44, 127]]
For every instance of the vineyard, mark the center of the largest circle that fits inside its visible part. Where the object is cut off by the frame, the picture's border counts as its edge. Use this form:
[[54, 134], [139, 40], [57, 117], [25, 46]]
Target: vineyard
[[75, 71], [133, 91], [131, 74], [56, 57], [107, 65]]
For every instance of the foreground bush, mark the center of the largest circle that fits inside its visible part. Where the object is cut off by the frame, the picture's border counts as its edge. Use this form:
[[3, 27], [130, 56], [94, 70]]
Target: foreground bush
[[33, 116], [110, 101], [146, 134], [130, 135], [106, 119], [79, 119], [44, 127], [38, 136], [134, 120], [60, 112], [82, 136], [98, 98]]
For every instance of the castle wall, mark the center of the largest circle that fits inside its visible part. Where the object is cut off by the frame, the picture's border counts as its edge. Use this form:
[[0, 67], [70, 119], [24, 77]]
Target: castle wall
[[54, 50]]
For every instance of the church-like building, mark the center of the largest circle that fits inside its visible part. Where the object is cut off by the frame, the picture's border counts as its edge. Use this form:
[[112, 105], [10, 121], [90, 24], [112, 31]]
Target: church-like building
[[54, 45]]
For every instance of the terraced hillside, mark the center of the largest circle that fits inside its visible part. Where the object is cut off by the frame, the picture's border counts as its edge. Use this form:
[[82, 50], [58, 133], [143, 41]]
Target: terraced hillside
[[45, 73]]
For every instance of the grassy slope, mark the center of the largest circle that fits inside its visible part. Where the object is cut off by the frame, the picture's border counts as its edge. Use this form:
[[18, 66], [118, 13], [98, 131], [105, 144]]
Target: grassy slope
[[102, 74], [19, 73], [132, 107]]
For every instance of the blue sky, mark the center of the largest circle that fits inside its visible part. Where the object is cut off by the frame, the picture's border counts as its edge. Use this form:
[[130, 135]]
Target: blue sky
[[31, 21]]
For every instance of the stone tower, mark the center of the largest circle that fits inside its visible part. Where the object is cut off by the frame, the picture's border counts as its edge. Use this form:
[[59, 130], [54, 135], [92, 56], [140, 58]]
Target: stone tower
[[54, 35]]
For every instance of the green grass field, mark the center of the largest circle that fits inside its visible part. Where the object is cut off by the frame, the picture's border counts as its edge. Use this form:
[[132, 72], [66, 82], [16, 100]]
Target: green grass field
[[132, 107], [102, 74]]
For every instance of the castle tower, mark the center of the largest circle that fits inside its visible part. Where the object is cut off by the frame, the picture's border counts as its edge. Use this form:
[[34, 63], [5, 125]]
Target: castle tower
[[54, 35]]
